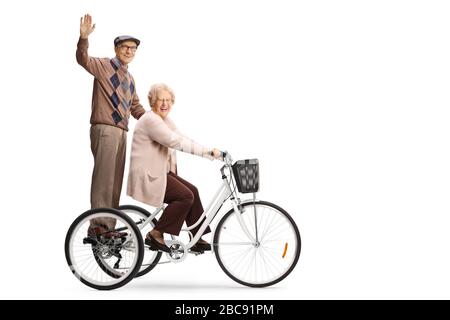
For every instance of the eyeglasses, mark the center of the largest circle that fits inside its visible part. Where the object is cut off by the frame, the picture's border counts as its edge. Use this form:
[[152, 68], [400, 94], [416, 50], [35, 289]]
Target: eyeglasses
[[124, 48], [164, 100]]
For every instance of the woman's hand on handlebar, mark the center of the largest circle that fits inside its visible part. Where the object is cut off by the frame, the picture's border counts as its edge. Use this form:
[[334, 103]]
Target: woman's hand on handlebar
[[217, 154]]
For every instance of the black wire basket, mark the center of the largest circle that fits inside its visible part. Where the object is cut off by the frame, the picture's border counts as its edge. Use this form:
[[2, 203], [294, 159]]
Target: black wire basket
[[246, 174]]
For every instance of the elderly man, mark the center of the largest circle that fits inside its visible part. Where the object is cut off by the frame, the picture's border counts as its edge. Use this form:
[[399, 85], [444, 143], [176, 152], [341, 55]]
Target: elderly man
[[114, 99]]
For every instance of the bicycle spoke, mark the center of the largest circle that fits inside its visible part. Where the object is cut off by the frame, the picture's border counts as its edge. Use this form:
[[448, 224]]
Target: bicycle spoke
[[262, 263], [96, 263]]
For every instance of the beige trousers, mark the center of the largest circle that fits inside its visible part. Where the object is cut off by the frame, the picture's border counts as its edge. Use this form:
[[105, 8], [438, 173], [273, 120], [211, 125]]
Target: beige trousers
[[108, 145]]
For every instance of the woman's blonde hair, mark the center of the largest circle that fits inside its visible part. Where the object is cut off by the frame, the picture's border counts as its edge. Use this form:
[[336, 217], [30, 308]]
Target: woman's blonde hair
[[153, 93]]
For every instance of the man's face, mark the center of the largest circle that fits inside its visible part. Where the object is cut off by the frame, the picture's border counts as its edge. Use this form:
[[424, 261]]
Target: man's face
[[125, 51]]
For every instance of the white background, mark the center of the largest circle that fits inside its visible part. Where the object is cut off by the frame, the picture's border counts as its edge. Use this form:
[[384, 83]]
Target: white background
[[345, 103]]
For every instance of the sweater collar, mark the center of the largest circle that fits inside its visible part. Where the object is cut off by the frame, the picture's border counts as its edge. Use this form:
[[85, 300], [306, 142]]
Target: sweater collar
[[118, 64]]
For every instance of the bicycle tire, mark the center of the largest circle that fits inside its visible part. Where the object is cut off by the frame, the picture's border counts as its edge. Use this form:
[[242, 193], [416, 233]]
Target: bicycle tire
[[147, 266], [221, 249], [80, 224]]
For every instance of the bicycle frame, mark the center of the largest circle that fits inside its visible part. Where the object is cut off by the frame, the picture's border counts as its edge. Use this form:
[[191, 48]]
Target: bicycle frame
[[222, 194]]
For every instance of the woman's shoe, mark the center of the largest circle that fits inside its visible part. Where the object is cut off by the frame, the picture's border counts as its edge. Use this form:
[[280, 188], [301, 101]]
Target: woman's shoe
[[155, 245], [200, 247]]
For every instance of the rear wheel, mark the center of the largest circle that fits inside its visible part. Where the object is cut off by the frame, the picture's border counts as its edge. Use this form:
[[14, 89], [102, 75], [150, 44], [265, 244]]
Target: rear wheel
[[139, 215], [270, 257], [101, 261]]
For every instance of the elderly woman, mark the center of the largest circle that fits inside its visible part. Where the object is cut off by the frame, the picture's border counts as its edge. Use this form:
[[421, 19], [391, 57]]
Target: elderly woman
[[153, 175]]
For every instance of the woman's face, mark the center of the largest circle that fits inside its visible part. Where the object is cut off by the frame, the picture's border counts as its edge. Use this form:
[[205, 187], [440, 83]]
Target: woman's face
[[163, 103]]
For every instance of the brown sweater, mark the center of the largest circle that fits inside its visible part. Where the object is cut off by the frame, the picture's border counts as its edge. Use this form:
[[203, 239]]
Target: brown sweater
[[114, 95]]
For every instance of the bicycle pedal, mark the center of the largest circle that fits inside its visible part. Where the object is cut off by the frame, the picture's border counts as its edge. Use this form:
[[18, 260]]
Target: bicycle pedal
[[196, 252], [154, 249]]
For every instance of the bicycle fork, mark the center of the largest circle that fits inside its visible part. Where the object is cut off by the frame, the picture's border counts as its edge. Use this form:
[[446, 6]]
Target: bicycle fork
[[237, 212]]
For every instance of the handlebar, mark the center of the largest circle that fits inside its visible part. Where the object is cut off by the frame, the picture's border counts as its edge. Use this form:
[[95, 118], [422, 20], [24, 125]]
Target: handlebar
[[226, 157]]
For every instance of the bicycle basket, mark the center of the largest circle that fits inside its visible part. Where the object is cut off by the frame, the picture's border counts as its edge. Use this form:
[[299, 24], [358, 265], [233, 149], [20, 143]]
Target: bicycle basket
[[246, 174]]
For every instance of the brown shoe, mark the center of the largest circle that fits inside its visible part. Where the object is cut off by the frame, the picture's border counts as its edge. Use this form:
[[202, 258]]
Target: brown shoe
[[98, 231]]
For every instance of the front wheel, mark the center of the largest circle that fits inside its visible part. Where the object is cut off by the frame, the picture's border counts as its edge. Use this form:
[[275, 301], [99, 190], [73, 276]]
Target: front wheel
[[270, 256]]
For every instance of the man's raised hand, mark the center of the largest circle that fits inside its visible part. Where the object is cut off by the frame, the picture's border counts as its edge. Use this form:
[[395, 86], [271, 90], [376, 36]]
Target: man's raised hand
[[86, 26]]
